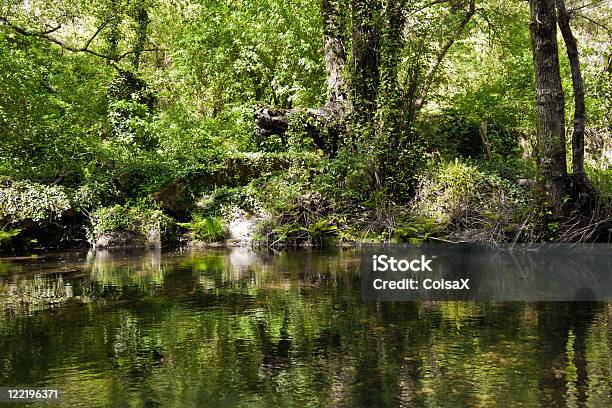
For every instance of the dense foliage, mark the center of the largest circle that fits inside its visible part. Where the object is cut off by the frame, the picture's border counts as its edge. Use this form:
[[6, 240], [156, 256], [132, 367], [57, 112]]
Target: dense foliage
[[109, 102]]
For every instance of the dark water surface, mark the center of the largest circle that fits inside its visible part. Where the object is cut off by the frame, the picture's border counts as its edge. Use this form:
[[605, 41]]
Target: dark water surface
[[238, 328]]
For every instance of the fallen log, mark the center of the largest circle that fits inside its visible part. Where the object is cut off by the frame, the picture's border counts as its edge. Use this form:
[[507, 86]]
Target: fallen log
[[323, 125]]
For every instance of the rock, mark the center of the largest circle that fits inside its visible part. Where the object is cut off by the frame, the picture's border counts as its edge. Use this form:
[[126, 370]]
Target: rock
[[131, 227], [175, 199], [242, 227], [129, 239]]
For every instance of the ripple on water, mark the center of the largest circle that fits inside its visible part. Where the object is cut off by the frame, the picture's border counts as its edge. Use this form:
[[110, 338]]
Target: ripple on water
[[283, 330]]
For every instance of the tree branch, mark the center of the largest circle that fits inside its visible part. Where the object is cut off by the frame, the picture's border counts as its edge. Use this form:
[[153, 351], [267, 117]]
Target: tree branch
[[125, 54], [52, 30], [423, 7], [62, 44], [490, 26], [572, 10], [69, 47], [595, 22], [434, 67], [88, 43]]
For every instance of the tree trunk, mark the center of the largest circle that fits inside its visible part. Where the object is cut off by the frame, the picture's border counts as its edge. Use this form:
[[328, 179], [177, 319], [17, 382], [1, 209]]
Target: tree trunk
[[550, 100], [272, 121], [335, 55], [582, 188], [366, 37], [579, 104]]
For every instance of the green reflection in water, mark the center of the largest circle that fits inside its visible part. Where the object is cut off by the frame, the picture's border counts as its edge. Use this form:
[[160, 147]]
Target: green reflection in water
[[238, 328]]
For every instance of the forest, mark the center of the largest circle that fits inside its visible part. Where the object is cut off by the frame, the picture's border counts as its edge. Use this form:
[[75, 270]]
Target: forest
[[314, 122]]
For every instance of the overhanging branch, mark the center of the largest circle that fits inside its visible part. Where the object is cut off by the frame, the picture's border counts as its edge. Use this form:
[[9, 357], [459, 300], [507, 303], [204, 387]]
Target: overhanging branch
[[70, 47], [607, 29], [423, 7], [433, 69]]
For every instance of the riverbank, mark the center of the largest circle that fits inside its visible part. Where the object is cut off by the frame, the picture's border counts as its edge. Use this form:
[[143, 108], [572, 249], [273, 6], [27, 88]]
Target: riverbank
[[452, 201], [459, 202]]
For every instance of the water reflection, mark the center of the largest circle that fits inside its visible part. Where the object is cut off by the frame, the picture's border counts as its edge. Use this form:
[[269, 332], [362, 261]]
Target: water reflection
[[235, 327]]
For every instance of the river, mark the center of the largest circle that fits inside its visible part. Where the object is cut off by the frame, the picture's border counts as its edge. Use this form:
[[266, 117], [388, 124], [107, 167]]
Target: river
[[233, 327]]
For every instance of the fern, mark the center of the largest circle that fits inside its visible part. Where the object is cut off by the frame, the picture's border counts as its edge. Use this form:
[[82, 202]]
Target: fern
[[209, 229], [7, 235]]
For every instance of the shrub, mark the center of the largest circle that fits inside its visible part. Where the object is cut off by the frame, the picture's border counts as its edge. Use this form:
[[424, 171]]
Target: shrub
[[601, 179], [22, 200], [94, 194], [467, 204], [452, 133], [245, 197], [417, 230], [284, 232], [139, 220]]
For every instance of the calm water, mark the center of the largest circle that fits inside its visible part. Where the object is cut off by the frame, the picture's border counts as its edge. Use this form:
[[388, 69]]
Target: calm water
[[237, 328]]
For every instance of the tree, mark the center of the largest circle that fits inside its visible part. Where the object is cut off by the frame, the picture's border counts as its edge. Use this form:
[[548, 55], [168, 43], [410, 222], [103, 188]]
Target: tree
[[579, 104], [583, 187], [545, 16], [369, 82], [365, 50], [550, 102], [272, 121], [335, 54]]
